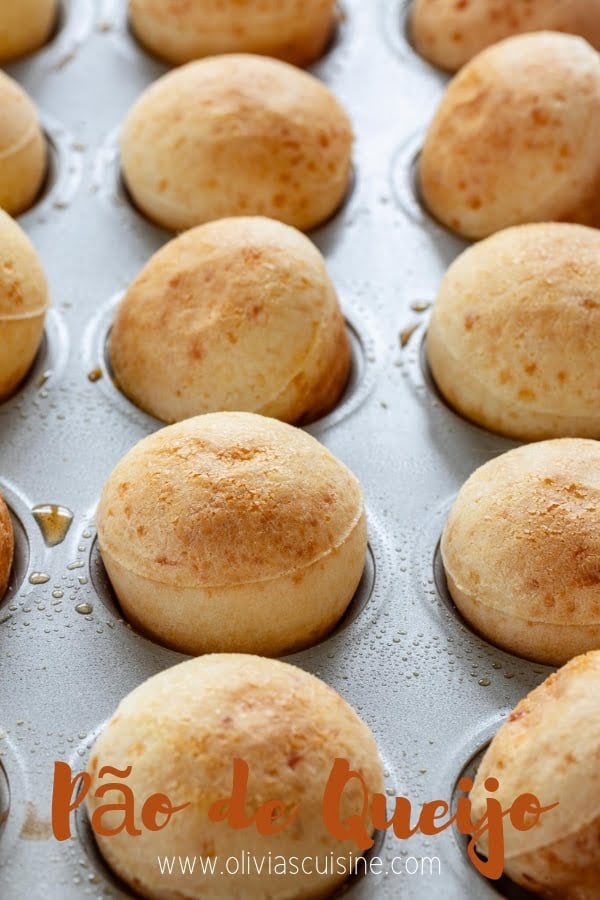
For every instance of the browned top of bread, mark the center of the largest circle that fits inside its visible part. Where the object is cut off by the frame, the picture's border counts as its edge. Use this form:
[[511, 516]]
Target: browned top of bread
[[236, 19], [18, 116], [236, 134], [451, 32], [237, 95], [229, 315], [215, 12], [521, 312], [6, 547], [25, 26], [550, 746], [226, 498], [194, 718], [514, 138], [23, 287], [181, 730], [294, 30], [524, 533]]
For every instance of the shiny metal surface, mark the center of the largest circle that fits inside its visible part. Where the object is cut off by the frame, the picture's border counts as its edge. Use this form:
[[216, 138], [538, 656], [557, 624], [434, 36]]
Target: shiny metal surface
[[431, 690]]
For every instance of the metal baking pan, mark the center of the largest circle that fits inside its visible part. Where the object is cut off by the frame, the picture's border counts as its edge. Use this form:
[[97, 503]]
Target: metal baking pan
[[431, 690]]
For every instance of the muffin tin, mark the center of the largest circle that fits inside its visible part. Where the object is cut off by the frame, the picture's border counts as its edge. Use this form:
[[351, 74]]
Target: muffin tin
[[432, 691]]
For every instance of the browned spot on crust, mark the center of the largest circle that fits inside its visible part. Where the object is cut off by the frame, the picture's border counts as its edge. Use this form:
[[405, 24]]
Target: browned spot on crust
[[164, 561], [137, 749], [238, 453], [196, 350], [526, 394]]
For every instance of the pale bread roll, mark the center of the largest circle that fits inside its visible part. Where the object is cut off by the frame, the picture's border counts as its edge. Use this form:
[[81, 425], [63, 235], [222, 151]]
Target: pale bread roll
[[521, 550], [515, 138], [7, 547], [23, 304], [296, 31], [514, 337], [25, 26], [449, 33], [181, 730], [237, 135], [550, 747], [232, 532], [23, 151], [239, 314]]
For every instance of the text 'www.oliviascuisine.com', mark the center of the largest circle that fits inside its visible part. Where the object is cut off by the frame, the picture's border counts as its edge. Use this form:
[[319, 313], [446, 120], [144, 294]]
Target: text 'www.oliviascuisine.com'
[[272, 864]]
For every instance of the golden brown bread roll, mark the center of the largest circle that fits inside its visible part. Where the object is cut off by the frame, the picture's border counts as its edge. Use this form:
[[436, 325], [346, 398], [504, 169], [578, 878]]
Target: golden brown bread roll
[[550, 746], [7, 547], [239, 314], [181, 730], [232, 532], [25, 25], [515, 138], [237, 135], [521, 550], [451, 32], [23, 304], [23, 152], [514, 338], [296, 31]]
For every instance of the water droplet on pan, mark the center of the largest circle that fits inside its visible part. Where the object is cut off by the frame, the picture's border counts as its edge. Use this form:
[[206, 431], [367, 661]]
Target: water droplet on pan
[[38, 578], [85, 609]]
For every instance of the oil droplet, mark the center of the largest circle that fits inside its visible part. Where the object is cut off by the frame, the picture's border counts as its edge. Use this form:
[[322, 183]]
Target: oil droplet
[[38, 578], [78, 564], [85, 609], [57, 595], [484, 682], [407, 333], [95, 374], [54, 522], [420, 306]]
